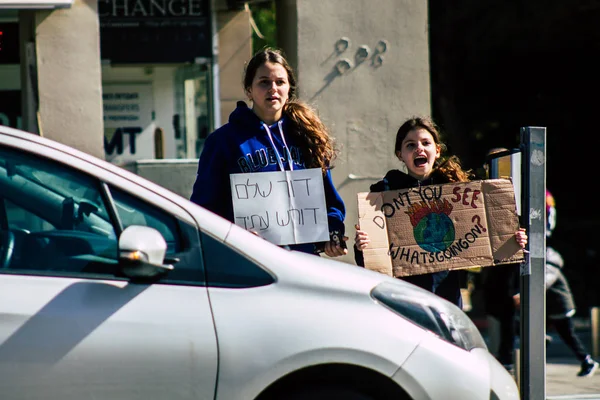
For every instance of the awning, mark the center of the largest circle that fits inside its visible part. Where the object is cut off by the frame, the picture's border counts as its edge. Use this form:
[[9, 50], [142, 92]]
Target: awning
[[34, 4]]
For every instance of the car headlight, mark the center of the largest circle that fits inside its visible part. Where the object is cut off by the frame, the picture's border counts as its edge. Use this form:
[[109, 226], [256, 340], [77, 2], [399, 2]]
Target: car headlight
[[431, 312]]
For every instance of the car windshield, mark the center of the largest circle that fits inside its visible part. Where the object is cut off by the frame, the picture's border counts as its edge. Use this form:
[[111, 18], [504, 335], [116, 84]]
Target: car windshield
[[45, 188], [60, 185]]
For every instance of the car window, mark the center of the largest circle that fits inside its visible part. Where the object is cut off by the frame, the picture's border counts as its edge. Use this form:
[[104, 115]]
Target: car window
[[227, 268], [133, 211], [54, 218], [183, 243]]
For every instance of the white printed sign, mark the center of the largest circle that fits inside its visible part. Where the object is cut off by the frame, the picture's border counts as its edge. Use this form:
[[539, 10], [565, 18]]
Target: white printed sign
[[284, 207], [128, 125]]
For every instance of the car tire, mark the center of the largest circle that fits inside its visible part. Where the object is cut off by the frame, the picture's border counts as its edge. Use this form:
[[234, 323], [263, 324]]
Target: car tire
[[328, 393]]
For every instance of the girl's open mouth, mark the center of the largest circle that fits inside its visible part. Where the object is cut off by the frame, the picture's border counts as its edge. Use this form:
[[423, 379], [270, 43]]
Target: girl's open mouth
[[420, 161]]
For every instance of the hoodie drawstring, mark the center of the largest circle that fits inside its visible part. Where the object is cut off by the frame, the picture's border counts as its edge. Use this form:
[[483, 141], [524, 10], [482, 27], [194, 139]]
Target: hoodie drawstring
[[287, 150]]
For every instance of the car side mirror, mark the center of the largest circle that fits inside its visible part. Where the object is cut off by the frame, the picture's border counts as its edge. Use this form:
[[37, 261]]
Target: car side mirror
[[142, 252]]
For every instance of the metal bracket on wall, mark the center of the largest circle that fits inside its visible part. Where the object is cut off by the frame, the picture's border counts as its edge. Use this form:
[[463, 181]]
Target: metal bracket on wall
[[380, 48], [361, 54], [342, 66], [341, 45]]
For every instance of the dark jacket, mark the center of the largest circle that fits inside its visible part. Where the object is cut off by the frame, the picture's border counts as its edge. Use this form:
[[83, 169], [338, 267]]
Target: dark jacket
[[500, 283], [443, 283], [242, 145], [559, 298]]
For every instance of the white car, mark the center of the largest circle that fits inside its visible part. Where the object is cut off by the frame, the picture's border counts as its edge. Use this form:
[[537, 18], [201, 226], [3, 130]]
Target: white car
[[112, 287]]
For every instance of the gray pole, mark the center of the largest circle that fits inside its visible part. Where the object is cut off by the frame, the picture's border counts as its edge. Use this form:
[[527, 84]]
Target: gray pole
[[532, 372]]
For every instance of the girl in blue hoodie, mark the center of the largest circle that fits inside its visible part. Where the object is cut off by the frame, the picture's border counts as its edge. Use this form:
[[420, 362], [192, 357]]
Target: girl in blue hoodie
[[278, 133]]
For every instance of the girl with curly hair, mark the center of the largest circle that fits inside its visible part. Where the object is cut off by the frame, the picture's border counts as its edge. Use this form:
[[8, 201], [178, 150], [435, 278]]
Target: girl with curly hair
[[420, 148]]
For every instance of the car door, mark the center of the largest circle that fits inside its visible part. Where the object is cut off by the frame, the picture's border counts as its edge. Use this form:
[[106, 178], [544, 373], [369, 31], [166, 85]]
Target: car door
[[72, 326]]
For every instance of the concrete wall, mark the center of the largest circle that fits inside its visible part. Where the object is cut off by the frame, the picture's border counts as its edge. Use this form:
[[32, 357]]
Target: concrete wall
[[235, 49], [11, 77], [176, 175], [10, 80], [364, 105], [68, 76]]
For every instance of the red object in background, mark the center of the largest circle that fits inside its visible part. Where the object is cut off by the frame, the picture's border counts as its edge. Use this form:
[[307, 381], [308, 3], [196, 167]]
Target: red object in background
[[9, 43]]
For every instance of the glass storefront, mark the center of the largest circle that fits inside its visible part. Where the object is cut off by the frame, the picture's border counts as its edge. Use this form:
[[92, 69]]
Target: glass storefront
[[193, 95], [158, 105]]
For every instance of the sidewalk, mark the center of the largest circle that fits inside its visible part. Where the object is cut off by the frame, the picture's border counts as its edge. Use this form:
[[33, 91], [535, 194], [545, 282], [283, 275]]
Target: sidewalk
[[562, 382]]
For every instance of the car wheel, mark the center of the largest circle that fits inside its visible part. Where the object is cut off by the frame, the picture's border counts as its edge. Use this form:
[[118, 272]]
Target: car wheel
[[328, 393]]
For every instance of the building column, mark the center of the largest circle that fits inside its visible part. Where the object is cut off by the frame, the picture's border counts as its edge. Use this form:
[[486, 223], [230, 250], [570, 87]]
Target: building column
[[66, 70]]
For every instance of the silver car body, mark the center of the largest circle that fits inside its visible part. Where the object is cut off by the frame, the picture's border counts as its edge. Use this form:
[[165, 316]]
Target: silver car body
[[66, 337]]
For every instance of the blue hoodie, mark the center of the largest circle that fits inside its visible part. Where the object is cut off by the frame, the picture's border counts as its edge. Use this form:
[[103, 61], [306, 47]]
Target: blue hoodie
[[242, 145]]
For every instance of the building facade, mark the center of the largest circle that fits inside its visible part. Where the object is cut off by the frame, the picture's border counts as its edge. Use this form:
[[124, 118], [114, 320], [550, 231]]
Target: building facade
[[142, 82], [121, 79]]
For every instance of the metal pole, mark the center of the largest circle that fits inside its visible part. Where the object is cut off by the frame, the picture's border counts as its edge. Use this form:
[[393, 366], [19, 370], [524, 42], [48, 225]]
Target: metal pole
[[532, 371], [595, 314], [518, 367]]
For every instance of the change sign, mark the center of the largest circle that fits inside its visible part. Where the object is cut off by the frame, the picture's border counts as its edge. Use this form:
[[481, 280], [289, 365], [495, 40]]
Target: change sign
[[154, 31], [440, 227], [284, 207]]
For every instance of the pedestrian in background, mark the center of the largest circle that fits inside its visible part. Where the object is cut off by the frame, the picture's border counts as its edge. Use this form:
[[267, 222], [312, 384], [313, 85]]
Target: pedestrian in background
[[279, 132], [419, 147], [560, 306]]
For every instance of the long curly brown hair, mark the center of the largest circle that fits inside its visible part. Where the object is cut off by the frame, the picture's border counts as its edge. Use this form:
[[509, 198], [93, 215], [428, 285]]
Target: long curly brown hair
[[311, 134], [449, 166]]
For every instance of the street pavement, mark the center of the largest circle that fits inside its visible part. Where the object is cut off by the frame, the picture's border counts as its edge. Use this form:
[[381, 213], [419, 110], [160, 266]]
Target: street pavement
[[562, 382]]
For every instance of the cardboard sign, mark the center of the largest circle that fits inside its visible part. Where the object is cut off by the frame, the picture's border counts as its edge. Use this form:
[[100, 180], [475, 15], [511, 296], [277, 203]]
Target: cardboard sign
[[284, 207], [440, 227]]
